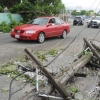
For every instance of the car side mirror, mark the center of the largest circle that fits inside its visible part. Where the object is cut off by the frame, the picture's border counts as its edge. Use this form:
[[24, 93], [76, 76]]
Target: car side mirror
[[49, 24]]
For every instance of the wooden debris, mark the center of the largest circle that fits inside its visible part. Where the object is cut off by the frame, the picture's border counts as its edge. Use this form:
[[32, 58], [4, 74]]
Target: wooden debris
[[95, 46], [65, 74], [92, 49], [56, 83], [70, 71]]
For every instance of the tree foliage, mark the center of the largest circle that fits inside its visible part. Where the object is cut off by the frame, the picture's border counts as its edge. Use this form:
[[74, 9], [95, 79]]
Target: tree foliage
[[1, 9], [33, 8], [82, 12]]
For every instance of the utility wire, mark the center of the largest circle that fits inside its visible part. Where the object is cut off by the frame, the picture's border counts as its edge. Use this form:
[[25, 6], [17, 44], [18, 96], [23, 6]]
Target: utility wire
[[54, 58], [11, 85], [70, 42]]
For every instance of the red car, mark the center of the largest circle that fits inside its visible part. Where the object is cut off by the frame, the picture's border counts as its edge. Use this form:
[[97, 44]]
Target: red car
[[41, 28]]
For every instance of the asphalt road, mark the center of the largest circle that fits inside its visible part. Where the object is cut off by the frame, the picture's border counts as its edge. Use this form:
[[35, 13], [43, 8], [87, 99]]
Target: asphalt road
[[11, 48]]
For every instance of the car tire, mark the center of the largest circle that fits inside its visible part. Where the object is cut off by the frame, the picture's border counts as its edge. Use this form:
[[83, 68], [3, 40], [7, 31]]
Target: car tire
[[19, 40], [64, 34], [82, 24], [41, 37], [88, 26], [99, 26]]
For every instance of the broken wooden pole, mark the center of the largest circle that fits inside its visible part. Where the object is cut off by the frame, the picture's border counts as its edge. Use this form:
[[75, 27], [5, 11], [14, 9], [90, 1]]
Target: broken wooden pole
[[80, 75], [56, 84], [30, 95], [95, 46], [92, 49], [94, 65], [71, 70]]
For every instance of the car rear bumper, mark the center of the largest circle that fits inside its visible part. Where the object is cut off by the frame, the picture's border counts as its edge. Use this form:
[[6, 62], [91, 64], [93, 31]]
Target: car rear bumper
[[80, 22]]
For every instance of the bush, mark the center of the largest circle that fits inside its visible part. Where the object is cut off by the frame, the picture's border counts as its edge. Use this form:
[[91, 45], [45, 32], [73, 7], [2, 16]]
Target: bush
[[4, 27], [1, 9], [13, 22]]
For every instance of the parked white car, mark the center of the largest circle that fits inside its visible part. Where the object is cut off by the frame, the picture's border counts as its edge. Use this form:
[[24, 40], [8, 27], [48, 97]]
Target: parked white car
[[94, 22]]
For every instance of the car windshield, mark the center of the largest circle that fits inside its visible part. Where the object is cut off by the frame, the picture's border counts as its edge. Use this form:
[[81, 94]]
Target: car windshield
[[39, 21], [77, 18], [96, 18]]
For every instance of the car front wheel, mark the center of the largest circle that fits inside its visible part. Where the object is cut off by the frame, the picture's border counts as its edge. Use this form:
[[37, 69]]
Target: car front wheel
[[64, 34], [88, 26], [41, 37], [19, 39]]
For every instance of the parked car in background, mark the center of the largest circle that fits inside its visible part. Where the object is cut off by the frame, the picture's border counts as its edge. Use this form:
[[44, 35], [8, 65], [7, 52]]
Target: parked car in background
[[78, 20], [41, 28], [88, 20], [94, 22]]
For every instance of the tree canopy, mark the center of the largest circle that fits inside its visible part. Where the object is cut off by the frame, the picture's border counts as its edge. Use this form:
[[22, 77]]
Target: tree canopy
[[33, 8], [82, 12]]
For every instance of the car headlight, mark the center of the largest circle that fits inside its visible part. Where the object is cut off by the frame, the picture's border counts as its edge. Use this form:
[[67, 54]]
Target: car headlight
[[30, 31]]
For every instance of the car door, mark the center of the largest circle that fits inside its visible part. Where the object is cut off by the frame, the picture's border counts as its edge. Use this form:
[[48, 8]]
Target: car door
[[59, 26], [51, 30]]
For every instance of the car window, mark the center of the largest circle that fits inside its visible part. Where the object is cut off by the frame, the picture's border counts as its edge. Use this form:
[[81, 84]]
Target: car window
[[77, 18], [39, 21], [57, 21], [61, 21], [96, 18], [52, 20]]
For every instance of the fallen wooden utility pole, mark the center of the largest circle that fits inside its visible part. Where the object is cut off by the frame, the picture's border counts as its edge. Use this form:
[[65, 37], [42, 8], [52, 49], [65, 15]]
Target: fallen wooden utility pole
[[31, 95], [66, 74], [92, 49], [94, 65], [95, 46], [73, 69], [56, 83]]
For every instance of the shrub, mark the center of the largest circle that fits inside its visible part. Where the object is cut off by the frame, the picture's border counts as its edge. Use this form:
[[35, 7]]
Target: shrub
[[1, 9], [13, 22], [4, 27]]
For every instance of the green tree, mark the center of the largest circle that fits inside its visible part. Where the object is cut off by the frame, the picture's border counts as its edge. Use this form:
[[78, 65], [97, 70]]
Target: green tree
[[83, 12], [1, 9], [74, 12], [36, 8]]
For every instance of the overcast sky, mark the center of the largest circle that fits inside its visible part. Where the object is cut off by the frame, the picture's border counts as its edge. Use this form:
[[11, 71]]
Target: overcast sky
[[83, 4]]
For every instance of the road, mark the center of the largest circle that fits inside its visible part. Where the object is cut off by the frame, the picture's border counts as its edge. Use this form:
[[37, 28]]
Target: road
[[11, 48]]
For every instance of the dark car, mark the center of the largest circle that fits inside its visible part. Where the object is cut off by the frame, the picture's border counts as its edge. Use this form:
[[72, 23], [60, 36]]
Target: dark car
[[41, 28], [78, 21]]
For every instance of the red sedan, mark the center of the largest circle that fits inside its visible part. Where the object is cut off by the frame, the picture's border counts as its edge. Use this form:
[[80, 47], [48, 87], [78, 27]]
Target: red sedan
[[41, 28]]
